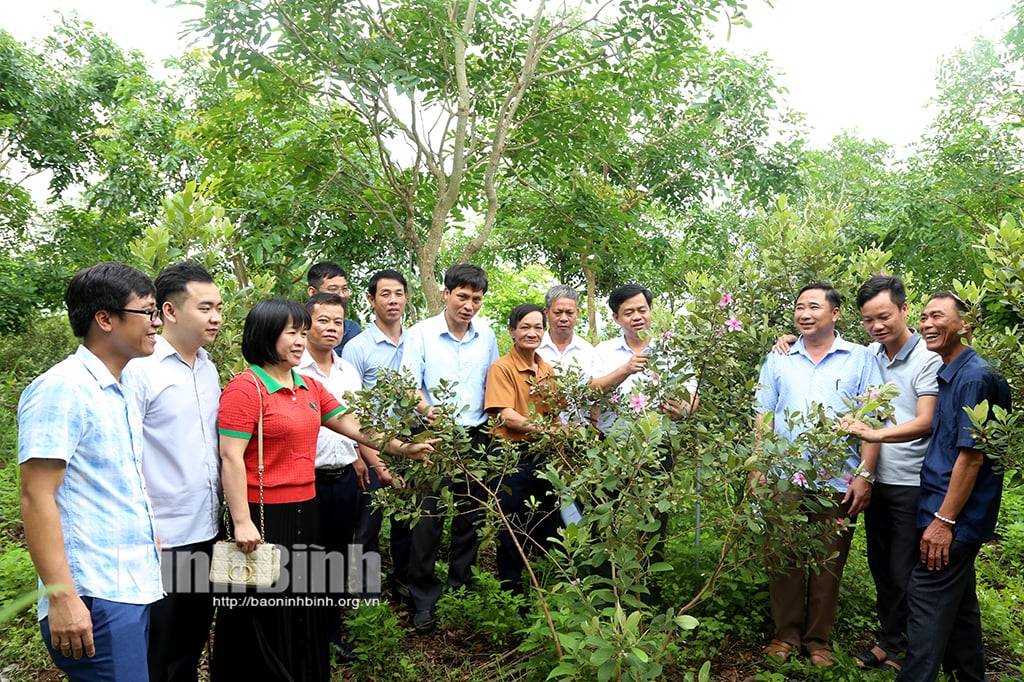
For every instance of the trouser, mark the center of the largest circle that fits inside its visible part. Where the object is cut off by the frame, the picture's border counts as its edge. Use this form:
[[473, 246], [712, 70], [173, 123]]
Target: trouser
[[179, 624], [532, 527], [368, 532], [337, 500], [890, 524], [944, 628], [370, 519], [424, 585], [804, 597], [120, 633]]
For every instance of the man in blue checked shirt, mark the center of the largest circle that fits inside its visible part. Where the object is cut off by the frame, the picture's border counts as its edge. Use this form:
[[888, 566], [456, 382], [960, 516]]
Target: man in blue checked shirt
[[88, 520]]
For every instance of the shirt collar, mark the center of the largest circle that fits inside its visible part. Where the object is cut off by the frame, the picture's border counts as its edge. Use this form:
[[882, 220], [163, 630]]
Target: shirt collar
[[95, 367], [521, 365], [308, 363], [949, 371], [547, 342], [907, 348], [379, 336], [442, 328], [839, 345], [164, 350], [272, 384]]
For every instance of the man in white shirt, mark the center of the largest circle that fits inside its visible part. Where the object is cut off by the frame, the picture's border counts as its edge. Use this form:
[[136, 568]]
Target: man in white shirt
[[178, 390], [561, 345], [340, 473]]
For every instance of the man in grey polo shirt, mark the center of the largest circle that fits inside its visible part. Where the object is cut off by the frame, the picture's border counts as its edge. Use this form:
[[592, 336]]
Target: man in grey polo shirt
[[891, 519]]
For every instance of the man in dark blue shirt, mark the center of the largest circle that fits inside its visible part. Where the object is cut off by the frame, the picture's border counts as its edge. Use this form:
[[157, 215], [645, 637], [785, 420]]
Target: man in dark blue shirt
[[957, 508]]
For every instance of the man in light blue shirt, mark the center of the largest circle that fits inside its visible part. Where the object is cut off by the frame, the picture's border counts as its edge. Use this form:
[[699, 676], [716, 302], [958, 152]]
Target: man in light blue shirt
[[821, 368], [89, 524], [177, 389], [380, 346], [457, 347]]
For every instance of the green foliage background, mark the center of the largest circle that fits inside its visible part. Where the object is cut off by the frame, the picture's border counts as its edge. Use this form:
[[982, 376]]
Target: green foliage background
[[260, 154]]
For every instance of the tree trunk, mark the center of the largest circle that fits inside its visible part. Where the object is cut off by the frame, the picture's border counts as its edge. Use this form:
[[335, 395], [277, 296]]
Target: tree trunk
[[588, 272]]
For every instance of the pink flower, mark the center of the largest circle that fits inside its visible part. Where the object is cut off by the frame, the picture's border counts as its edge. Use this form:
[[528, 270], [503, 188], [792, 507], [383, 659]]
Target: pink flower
[[799, 479], [614, 398], [726, 300], [841, 523], [734, 324], [638, 402], [668, 334], [849, 479]]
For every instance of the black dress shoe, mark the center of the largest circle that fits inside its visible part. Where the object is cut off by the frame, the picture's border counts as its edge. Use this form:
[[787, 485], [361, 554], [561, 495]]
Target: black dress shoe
[[423, 622], [342, 653]]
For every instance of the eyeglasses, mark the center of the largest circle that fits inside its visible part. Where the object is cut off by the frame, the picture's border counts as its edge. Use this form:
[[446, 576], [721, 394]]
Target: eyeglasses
[[153, 314]]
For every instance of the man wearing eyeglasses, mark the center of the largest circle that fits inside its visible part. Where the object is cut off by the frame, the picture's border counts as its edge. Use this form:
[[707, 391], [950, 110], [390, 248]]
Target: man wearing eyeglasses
[[89, 523], [328, 277]]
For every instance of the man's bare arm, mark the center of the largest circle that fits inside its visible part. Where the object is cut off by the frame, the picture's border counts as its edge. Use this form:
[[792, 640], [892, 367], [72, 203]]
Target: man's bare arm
[[938, 536], [69, 618], [918, 427]]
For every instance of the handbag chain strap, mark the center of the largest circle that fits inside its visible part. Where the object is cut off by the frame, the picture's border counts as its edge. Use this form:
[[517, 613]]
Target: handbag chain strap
[[259, 450], [259, 464]]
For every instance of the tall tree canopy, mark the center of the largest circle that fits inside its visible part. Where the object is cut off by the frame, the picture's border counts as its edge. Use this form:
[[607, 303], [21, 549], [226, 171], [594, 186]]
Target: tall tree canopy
[[438, 113]]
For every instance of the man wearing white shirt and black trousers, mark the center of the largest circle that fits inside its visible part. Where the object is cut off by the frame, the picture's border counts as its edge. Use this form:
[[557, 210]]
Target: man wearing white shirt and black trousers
[[340, 473], [178, 392]]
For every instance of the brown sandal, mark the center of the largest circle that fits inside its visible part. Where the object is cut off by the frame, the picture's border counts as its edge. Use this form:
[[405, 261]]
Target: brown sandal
[[821, 658], [778, 650]]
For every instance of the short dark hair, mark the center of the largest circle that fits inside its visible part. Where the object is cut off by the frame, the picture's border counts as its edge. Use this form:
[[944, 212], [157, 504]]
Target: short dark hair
[[521, 311], [831, 295], [465, 275], [324, 270], [263, 327], [104, 286], [322, 298], [386, 274], [878, 284], [174, 279], [627, 291], [961, 306]]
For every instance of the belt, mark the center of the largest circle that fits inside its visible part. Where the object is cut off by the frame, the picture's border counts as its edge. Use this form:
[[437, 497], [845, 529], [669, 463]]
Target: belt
[[328, 474]]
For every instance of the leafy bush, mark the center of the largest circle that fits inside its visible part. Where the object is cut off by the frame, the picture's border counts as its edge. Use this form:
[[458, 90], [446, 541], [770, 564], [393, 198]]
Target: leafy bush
[[376, 635], [17, 574], [484, 611]]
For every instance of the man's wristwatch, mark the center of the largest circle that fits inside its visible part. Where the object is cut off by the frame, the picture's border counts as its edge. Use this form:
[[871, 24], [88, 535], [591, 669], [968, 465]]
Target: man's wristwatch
[[866, 475]]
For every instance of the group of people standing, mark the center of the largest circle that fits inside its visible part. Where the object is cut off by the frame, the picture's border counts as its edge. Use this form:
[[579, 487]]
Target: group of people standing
[[930, 497], [129, 449]]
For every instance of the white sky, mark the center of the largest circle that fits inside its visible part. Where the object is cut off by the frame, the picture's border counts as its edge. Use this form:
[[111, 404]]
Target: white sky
[[867, 65]]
